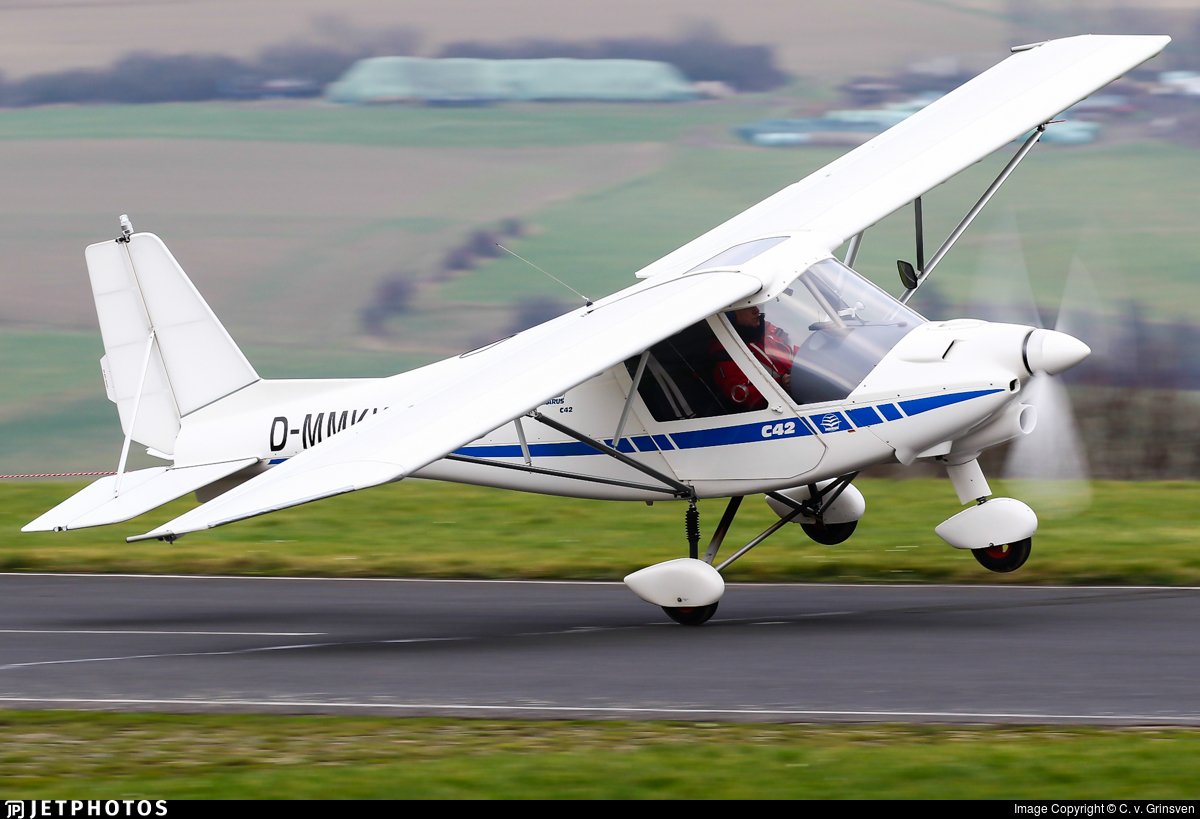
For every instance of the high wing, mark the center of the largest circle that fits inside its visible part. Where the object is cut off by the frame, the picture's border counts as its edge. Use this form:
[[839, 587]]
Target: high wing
[[954, 132], [490, 387]]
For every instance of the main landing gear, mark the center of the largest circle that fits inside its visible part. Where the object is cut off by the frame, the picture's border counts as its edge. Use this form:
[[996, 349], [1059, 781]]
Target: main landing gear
[[689, 589], [829, 534], [1007, 557]]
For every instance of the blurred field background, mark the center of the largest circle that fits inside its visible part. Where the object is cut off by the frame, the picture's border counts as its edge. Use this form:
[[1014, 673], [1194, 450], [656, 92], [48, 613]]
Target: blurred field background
[[53, 34], [325, 236]]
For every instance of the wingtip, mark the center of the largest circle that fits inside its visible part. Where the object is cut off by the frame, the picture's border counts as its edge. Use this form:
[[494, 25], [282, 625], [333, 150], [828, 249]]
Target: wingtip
[[40, 524]]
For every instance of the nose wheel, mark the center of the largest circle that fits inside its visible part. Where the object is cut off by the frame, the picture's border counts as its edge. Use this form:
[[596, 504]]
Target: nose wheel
[[1005, 557]]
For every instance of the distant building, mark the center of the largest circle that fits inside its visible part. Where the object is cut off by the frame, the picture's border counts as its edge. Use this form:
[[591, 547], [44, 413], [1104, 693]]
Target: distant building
[[808, 131], [1102, 105], [866, 91], [856, 126], [467, 81], [1184, 83]]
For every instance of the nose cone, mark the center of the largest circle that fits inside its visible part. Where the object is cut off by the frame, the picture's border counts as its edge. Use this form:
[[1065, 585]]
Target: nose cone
[[1049, 351]]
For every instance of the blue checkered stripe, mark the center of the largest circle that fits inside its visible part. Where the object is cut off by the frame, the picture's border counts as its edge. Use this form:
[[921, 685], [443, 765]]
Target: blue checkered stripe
[[823, 423]]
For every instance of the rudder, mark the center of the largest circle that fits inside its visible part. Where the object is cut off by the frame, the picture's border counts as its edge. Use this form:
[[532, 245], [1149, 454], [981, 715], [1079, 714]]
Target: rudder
[[161, 339]]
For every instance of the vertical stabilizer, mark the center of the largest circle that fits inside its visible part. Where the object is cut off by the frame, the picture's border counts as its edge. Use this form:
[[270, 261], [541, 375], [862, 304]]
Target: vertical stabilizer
[[161, 339]]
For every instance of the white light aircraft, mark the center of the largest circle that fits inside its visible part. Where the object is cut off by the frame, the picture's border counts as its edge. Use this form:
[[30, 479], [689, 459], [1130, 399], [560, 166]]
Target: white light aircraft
[[749, 361]]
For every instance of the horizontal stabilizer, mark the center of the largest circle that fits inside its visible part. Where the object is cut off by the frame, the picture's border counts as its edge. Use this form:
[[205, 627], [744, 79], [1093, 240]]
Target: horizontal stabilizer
[[141, 491]]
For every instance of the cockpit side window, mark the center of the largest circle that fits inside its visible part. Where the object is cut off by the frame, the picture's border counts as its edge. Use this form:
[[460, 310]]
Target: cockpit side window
[[681, 378], [823, 335]]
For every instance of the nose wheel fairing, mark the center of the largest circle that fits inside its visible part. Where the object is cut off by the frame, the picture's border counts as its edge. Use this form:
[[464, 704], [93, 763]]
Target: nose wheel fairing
[[994, 522]]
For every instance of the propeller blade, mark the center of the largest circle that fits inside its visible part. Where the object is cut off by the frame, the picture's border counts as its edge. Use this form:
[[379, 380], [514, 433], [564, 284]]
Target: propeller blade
[[1002, 289], [1085, 314], [1049, 466]]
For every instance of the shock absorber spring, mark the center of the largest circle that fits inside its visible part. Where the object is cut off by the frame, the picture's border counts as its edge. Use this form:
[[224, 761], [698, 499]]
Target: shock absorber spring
[[692, 526]]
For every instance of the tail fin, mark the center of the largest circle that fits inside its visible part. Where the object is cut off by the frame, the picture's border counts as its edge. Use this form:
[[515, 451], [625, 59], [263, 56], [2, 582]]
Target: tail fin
[[161, 339]]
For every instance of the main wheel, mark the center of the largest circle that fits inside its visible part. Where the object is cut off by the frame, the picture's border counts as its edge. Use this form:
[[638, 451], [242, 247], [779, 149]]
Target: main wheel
[[1006, 557], [691, 615], [829, 534]]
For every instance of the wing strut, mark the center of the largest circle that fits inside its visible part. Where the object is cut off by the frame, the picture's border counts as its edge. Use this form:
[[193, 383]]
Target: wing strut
[[559, 473], [524, 444], [681, 490], [954, 236], [919, 225], [852, 251], [637, 379]]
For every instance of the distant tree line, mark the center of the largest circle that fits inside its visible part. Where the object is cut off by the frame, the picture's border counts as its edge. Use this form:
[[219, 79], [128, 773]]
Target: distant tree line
[[304, 68], [701, 53], [293, 68], [394, 294]]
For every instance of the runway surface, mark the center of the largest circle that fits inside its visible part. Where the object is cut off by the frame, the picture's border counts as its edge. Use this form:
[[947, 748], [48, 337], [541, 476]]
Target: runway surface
[[799, 652]]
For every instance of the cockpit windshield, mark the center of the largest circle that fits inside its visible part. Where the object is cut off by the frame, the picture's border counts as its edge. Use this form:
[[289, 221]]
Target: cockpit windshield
[[825, 332], [818, 339]]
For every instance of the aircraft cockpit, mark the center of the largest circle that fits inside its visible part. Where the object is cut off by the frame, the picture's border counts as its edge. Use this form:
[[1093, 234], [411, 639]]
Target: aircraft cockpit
[[817, 340]]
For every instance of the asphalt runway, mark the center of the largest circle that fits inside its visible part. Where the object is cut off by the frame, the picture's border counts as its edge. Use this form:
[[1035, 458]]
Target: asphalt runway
[[772, 653]]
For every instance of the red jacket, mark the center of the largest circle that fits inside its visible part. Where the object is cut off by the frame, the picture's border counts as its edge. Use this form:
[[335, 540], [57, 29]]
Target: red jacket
[[774, 351]]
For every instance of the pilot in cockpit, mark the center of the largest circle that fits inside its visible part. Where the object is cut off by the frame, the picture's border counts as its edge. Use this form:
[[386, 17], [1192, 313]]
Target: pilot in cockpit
[[770, 345]]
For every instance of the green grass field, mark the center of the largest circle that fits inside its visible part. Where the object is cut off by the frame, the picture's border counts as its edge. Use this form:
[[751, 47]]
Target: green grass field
[[1062, 205], [1132, 533], [389, 125], [108, 756]]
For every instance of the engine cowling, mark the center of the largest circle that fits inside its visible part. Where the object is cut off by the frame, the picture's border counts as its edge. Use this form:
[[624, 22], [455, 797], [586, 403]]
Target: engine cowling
[[1013, 422]]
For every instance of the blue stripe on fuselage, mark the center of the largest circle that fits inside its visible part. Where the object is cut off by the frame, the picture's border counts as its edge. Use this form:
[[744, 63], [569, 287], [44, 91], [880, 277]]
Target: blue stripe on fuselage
[[739, 434], [919, 405], [864, 416], [535, 450], [890, 412]]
